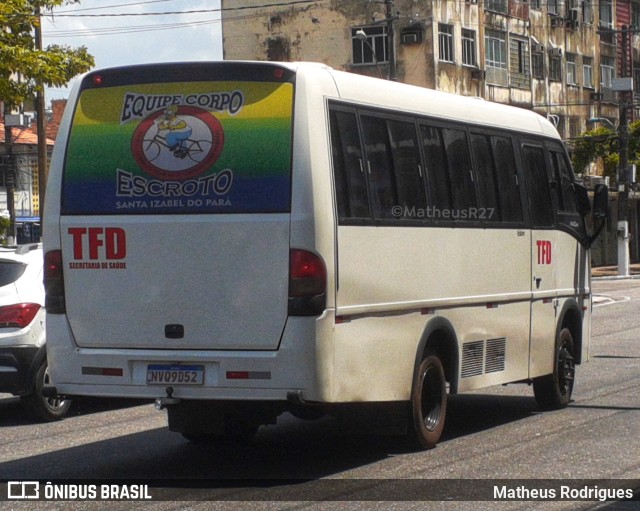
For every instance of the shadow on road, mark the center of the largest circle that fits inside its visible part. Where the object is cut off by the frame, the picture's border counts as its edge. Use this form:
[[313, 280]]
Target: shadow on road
[[13, 413], [292, 449]]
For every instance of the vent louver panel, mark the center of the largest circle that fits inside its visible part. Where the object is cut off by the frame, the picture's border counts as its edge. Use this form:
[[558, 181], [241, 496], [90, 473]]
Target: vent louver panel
[[480, 357], [472, 358], [495, 355]]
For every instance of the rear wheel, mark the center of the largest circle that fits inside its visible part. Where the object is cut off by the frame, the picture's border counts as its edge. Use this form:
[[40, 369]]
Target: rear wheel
[[554, 391], [41, 407], [429, 402]]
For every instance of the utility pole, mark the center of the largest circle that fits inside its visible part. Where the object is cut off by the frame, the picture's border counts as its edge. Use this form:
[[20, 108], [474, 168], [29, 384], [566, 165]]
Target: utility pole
[[391, 48], [393, 75], [623, 163], [41, 128], [9, 176], [624, 87]]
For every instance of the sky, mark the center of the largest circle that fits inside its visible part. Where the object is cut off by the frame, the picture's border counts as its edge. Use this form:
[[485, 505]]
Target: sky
[[135, 36]]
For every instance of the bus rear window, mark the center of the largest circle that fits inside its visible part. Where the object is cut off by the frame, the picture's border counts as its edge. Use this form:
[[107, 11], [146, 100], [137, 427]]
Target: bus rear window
[[180, 147]]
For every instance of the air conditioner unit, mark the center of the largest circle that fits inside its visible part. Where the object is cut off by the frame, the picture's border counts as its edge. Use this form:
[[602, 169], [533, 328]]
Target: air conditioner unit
[[537, 48], [21, 120], [555, 52], [478, 74], [556, 21], [412, 35], [573, 19], [573, 25]]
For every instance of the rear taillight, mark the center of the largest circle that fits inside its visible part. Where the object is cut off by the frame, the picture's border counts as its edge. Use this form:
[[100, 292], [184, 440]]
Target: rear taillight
[[18, 315], [54, 283], [307, 283]]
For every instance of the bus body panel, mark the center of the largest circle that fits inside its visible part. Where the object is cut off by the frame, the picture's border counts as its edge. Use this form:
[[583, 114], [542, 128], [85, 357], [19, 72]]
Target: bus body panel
[[552, 253], [122, 372], [164, 293]]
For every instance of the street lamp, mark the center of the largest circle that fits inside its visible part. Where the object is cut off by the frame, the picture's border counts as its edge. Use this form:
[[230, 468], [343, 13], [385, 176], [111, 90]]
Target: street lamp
[[362, 36], [602, 119], [623, 191]]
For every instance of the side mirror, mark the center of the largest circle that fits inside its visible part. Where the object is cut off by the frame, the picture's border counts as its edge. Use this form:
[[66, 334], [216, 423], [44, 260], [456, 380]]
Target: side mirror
[[582, 198], [600, 202], [599, 211]]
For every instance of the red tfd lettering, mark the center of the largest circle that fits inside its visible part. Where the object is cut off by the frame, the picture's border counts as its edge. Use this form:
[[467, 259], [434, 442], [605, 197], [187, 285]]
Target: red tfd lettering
[[544, 251], [111, 242]]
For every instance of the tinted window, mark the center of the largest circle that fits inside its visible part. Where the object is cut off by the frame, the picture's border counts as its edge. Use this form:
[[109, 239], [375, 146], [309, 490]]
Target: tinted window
[[488, 191], [379, 166], [568, 215], [507, 178], [563, 183], [459, 161], [538, 186], [174, 140], [351, 189], [437, 169], [406, 164], [10, 271]]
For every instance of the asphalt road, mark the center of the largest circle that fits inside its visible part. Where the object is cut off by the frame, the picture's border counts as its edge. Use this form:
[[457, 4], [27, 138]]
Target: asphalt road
[[495, 434]]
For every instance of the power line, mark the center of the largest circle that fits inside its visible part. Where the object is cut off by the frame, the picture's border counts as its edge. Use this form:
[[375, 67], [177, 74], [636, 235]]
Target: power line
[[173, 13], [114, 6], [126, 29]]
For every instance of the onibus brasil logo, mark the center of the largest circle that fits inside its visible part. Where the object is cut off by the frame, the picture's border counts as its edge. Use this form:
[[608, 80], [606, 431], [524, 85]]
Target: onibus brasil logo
[[178, 137]]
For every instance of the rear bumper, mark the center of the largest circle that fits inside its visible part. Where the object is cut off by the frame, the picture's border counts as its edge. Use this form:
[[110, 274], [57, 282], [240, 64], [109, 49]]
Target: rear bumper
[[228, 375], [16, 367]]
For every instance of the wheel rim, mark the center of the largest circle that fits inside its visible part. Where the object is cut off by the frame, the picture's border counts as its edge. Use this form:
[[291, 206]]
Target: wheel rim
[[566, 370], [431, 398], [54, 403]]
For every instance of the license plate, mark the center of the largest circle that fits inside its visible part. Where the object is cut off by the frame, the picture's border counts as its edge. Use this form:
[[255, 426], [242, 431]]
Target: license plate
[[175, 375]]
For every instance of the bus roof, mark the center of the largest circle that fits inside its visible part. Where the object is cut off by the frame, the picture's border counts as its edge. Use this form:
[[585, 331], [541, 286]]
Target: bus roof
[[403, 97], [410, 98]]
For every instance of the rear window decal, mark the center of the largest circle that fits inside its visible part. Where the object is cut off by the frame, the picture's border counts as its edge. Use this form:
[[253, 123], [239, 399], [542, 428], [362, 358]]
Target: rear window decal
[[218, 147]]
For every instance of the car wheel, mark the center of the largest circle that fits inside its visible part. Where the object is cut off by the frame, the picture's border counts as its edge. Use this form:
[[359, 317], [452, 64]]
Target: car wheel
[[45, 408], [428, 403], [554, 390]]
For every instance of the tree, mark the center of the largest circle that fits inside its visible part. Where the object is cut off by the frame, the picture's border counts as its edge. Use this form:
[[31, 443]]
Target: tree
[[53, 66], [603, 143]]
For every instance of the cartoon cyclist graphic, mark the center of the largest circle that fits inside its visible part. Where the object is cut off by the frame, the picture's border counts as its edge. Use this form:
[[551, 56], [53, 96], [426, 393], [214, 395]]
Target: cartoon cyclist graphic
[[179, 131], [177, 142]]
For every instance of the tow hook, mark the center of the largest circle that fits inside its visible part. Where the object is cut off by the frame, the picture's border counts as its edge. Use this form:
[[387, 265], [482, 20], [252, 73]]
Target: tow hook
[[163, 402]]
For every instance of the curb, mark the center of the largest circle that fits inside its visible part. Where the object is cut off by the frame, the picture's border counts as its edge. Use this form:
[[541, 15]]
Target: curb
[[616, 277]]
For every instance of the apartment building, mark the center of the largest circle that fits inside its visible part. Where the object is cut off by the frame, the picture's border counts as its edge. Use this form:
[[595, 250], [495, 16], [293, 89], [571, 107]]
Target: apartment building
[[559, 58]]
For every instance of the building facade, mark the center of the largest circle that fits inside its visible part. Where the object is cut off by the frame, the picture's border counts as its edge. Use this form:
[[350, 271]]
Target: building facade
[[559, 58], [564, 59]]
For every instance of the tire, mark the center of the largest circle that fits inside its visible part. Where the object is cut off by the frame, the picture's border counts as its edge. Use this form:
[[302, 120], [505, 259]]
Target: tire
[[43, 408], [428, 403], [553, 391]]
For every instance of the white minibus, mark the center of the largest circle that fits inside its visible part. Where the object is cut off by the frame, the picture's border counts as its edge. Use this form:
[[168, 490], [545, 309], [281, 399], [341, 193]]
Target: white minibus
[[239, 239]]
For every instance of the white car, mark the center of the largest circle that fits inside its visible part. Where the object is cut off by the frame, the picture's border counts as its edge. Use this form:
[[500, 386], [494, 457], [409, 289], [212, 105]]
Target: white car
[[23, 356]]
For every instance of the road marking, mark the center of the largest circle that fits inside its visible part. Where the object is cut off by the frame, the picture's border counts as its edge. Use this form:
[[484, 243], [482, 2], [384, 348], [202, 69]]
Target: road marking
[[602, 300]]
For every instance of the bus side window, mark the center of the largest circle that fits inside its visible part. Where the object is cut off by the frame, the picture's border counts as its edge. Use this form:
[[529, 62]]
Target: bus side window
[[351, 188], [406, 164], [459, 159], [488, 191], [379, 166], [506, 174], [568, 214], [564, 183], [438, 180], [538, 185]]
